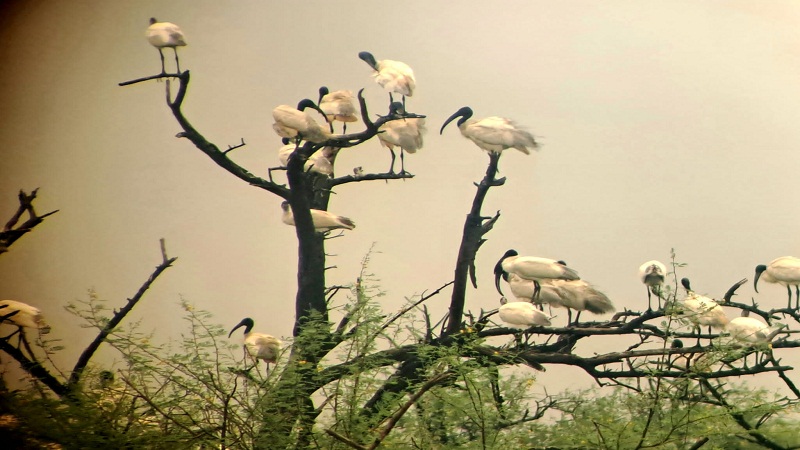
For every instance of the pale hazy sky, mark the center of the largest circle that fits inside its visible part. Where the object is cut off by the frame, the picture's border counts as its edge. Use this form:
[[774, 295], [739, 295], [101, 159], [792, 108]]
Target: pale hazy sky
[[664, 125]]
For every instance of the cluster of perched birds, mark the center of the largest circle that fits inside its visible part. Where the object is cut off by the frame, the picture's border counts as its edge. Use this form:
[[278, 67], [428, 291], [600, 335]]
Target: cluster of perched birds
[[533, 281], [536, 281]]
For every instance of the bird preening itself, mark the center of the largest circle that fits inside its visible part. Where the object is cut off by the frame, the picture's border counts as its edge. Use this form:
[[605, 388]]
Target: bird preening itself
[[784, 271], [394, 76], [652, 274], [259, 345], [295, 123], [531, 268], [165, 34], [337, 106], [323, 220], [493, 134], [405, 133]]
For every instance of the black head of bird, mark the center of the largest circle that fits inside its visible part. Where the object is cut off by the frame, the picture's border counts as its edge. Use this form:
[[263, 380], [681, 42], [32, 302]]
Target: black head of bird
[[308, 103], [247, 323], [759, 270], [685, 284], [153, 20], [499, 272], [369, 59], [323, 91], [465, 113], [677, 343], [397, 109]]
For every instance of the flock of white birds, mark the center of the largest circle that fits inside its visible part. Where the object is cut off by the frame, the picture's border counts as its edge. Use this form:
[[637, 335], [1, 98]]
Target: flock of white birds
[[533, 281]]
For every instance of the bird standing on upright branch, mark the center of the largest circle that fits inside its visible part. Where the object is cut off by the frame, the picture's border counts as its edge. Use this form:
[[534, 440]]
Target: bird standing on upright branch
[[493, 134], [165, 34], [531, 268]]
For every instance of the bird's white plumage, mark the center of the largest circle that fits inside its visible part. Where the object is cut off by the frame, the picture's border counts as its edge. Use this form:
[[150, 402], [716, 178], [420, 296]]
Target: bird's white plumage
[[579, 295], [403, 133], [522, 315], [538, 269], [495, 134], [339, 106], [702, 310], [26, 315], [323, 220], [321, 161], [748, 330], [652, 273], [165, 34], [291, 122], [262, 346], [395, 76]]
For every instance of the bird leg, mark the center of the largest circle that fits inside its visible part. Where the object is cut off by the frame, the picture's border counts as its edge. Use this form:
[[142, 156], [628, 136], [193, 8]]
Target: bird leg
[[577, 317], [797, 295], [161, 54], [569, 317], [402, 162], [649, 307], [536, 291], [789, 290], [391, 169], [177, 63]]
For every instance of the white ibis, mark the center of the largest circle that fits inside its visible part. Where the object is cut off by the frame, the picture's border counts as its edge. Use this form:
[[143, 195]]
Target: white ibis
[[296, 123], [323, 220], [521, 315], [652, 273], [784, 271], [702, 310], [321, 161], [165, 34], [394, 76], [493, 134], [749, 331], [338, 106], [22, 315], [580, 296], [405, 133], [531, 268], [259, 345]]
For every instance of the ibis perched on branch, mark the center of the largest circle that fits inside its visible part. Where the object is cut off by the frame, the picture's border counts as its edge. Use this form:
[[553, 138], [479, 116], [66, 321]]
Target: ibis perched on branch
[[652, 273], [22, 315], [493, 134], [323, 220], [521, 315], [394, 76], [702, 310], [405, 133], [580, 296], [338, 106], [259, 345], [165, 34], [531, 268], [295, 123], [784, 271]]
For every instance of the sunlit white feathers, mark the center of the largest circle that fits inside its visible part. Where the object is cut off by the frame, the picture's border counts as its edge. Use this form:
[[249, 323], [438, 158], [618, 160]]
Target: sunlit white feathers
[[493, 134], [291, 122], [321, 161], [394, 76], [652, 274], [784, 271]]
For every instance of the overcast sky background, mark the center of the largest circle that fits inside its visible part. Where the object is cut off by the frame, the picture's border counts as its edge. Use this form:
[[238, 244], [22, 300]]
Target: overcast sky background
[[663, 125]]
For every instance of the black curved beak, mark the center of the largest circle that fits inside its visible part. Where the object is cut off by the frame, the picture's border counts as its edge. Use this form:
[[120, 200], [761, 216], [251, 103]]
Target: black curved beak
[[755, 281], [465, 112], [498, 272]]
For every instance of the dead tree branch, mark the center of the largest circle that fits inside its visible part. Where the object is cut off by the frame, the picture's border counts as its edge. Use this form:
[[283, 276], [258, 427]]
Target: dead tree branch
[[11, 232]]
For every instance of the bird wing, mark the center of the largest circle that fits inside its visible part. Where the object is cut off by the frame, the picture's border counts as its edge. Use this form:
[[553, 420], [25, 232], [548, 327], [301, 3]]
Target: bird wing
[[501, 132], [535, 268], [395, 76], [786, 269]]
